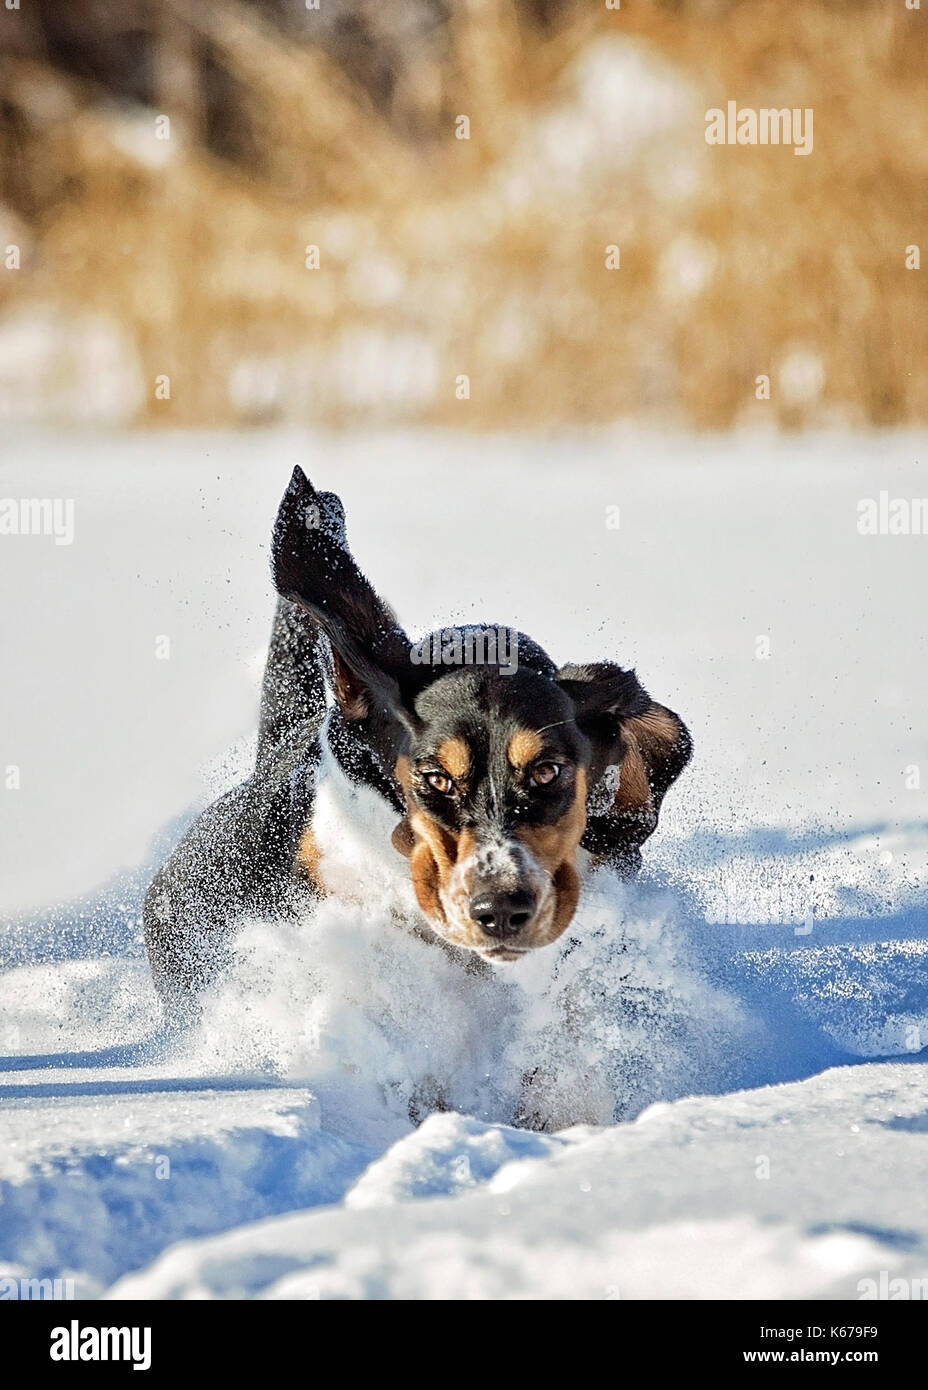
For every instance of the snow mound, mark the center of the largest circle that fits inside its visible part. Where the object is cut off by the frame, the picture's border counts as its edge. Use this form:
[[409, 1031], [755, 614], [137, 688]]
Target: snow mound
[[763, 1194], [452, 1153]]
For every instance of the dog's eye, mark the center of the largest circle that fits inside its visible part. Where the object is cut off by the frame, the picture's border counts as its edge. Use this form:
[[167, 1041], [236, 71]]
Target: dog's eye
[[440, 782], [544, 773]]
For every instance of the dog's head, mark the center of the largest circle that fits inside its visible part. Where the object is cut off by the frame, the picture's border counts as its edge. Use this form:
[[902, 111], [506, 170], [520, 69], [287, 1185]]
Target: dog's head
[[493, 750]]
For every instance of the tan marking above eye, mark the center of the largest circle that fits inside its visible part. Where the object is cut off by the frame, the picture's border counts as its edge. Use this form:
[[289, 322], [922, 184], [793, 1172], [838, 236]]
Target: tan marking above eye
[[524, 747], [454, 756]]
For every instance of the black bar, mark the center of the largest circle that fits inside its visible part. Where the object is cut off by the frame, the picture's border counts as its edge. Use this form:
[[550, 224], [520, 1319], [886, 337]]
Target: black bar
[[255, 1338]]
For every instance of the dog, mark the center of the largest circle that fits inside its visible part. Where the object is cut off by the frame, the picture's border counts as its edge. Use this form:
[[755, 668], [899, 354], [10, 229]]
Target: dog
[[491, 779]]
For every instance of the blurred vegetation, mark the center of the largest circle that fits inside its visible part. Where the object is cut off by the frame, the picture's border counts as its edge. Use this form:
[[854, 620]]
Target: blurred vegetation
[[440, 257]]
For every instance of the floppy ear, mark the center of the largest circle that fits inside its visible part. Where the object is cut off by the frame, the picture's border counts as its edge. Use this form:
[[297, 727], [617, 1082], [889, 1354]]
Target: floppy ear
[[602, 691], [648, 743], [313, 568]]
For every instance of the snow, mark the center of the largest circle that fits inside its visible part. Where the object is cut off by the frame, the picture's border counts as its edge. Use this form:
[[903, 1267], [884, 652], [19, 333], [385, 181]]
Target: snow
[[674, 1205], [358, 1117]]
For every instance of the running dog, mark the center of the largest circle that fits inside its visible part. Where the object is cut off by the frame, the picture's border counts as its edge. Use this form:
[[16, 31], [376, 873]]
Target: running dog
[[468, 761]]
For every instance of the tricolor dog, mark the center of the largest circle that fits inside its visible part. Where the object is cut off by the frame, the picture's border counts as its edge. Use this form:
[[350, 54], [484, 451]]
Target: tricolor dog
[[469, 760]]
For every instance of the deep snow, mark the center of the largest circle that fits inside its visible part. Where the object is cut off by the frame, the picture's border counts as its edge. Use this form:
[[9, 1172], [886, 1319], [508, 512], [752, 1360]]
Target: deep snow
[[778, 934]]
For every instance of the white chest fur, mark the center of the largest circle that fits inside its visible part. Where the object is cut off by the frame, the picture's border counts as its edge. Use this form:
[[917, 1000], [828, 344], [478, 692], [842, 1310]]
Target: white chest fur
[[351, 827]]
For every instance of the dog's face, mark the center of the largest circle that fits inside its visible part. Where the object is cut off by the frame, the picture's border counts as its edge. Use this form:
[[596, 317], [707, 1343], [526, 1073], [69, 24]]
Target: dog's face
[[495, 780], [493, 764]]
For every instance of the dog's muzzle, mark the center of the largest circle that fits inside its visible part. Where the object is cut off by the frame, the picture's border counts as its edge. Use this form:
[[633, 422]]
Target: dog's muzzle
[[500, 899]]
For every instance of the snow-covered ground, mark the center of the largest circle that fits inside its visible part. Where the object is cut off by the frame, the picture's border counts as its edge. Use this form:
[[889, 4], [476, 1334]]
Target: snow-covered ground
[[702, 1042]]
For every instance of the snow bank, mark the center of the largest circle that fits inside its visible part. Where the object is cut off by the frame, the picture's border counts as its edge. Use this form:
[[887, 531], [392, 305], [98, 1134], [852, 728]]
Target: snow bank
[[104, 1164], [767, 1194]]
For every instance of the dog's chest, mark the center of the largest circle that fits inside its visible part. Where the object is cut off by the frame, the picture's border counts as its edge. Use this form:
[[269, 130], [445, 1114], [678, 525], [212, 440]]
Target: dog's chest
[[346, 845]]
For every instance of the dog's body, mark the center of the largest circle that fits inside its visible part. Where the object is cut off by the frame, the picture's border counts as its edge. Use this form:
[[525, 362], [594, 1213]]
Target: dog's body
[[490, 786]]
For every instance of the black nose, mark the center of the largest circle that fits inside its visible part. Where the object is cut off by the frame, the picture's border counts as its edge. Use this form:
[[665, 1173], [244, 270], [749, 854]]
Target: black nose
[[503, 914]]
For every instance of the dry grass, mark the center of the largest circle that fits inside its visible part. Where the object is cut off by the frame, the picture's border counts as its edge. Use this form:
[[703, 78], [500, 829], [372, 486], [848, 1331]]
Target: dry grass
[[443, 257]]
